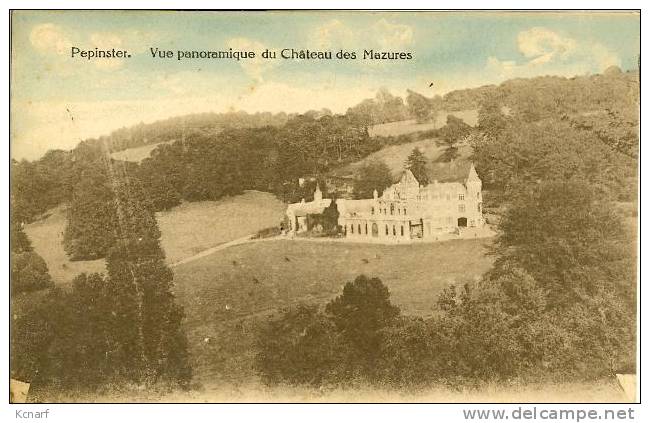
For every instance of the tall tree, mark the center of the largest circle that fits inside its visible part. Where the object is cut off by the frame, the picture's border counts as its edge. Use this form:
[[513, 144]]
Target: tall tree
[[89, 232], [452, 133], [417, 164]]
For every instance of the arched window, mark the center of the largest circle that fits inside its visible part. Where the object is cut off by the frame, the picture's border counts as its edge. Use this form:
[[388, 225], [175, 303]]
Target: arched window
[[359, 228], [392, 209], [394, 232], [351, 228], [386, 229], [366, 229], [402, 230]]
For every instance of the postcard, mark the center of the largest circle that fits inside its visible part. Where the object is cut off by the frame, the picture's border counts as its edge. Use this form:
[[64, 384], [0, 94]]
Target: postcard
[[324, 206]]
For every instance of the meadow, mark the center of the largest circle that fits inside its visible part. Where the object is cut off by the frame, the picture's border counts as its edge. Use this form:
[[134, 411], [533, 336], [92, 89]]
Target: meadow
[[137, 154], [227, 295]]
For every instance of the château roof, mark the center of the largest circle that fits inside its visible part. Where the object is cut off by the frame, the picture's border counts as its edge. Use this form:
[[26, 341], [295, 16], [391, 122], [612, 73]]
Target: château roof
[[455, 171]]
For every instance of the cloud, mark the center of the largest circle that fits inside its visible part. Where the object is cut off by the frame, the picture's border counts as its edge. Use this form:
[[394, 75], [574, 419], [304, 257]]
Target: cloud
[[331, 34], [382, 34], [392, 36], [542, 45], [548, 52], [54, 43], [255, 68], [49, 39]]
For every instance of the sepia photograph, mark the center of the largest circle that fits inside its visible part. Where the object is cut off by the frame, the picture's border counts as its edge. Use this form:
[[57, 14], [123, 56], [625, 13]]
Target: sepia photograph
[[324, 206]]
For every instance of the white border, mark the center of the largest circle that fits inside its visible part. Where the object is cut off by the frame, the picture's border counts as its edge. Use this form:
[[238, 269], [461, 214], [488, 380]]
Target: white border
[[272, 413]]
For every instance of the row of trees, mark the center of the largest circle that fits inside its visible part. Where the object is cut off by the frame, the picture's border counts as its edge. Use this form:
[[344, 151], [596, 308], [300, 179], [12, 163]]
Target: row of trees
[[108, 329]]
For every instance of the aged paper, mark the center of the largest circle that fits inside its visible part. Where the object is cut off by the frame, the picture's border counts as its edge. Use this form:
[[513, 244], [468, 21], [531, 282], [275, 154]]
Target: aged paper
[[324, 206]]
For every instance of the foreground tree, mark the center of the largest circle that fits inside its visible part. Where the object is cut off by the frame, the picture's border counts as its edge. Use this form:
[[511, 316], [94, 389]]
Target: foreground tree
[[124, 327], [89, 232], [359, 314]]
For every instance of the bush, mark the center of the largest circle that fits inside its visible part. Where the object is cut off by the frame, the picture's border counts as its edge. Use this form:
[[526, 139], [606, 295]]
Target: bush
[[29, 273], [300, 347]]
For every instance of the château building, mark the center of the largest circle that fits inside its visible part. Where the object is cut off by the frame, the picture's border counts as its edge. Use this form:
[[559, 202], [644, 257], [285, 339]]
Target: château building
[[407, 210]]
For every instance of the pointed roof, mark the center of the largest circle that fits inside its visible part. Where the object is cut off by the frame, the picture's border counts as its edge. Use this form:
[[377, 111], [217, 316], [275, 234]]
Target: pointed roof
[[456, 171], [408, 178], [472, 176]]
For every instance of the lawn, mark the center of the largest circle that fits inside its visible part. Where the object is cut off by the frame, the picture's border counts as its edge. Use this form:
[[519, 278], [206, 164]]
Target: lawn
[[228, 294], [403, 127], [46, 235], [395, 155], [136, 154], [193, 227], [186, 230]]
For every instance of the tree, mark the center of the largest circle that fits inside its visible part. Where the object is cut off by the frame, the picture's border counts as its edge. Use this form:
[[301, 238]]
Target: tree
[[374, 175], [359, 314], [417, 164], [452, 133], [89, 232], [19, 241], [29, 273], [564, 236], [491, 120], [300, 347], [124, 327], [420, 107]]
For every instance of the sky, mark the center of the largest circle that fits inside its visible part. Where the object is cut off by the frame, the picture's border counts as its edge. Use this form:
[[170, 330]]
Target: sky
[[57, 101]]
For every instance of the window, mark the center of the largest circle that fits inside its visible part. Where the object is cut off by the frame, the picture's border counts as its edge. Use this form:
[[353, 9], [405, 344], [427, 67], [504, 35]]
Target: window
[[386, 229], [478, 194], [478, 207], [394, 232], [461, 208], [372, 210], [352, 228], [366, 229], [461, 197], [402, 230], [359, 228], [404, 210], [392, 209], [399, 211]]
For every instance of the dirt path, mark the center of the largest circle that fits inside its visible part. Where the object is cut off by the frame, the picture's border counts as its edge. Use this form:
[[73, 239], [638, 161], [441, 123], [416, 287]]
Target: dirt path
[[238, 241]]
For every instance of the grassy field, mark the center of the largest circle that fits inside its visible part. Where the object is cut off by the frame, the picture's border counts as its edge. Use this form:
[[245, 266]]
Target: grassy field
[[470, 117], [227, 295], [186, 230], [136, 154], [395, 155], [193, 227], [47, 236]]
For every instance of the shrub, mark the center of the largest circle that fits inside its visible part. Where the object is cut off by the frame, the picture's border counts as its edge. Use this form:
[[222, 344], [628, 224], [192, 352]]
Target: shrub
[[29, 273]]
